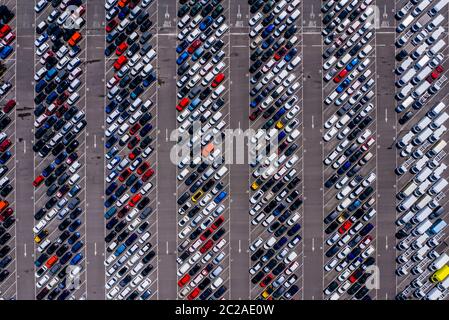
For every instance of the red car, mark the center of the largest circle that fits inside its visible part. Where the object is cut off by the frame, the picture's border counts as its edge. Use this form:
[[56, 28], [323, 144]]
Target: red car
[[147, 175], [4, 30], [141, 169], [206, 246], [121, 48], [182, 104], [6, 214], [217, 223], [5, 145], [9, 106], [193, 294], [135, 153], [125, 174], [218, 79], [120, 62], [111, 25], [39, 179], [195, 45], [134, 129], [123, 211], [134, 200], [266, 281], [133, 142], [206, 234], [253, 116], [340, 76], [184, 280], [345, 227], [278, 56]]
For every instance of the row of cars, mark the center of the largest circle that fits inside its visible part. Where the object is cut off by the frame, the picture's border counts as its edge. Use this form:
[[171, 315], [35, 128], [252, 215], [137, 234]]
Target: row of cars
[[275, 105], [421, 177], [130, 142], [7, 152], [59, 146], [349, 148], [202, 176]]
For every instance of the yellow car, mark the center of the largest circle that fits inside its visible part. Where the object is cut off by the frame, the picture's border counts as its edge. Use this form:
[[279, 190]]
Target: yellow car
[[255, 186], [279, 125], [265, 294], [342, 218], [197, 195], [38, 239]]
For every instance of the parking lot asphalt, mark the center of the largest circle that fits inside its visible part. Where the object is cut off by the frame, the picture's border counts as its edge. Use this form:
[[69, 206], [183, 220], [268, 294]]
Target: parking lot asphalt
[[95, 91], [239, 174], [24, 193], [167, 220]]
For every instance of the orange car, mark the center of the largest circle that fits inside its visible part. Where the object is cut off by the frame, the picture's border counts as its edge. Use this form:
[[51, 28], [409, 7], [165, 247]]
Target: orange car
[[208, 149], [122, 3], [3, 205], [74, 39], [50, 262]]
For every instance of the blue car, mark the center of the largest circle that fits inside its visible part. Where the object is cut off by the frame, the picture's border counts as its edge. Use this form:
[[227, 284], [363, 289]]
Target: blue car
[[291, 54], [51, 97], [73, 238], [111, 141], [51, 74], [48, 170], [182, 58], [180, 48], [111, 153], [206, 23], [352, 64], [110, 213], [7, 50], [120, 250], [77, 246], [5, 157], [66, 257], [40, 86], [279, 114], [124, 13], [75, 224], [195, 103], [197, 54], [145, 130], [136, 186], [42, 38], [220, 196], [281, 135], [76, 259], [149, 80], [110, 201], [268, 41], [60, 158], [269, 29]]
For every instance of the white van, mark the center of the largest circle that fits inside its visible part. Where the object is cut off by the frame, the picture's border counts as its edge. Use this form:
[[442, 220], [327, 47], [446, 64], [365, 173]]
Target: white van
[[220, 173]]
